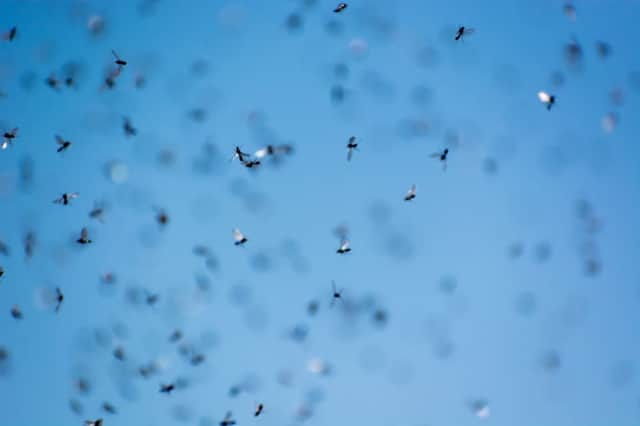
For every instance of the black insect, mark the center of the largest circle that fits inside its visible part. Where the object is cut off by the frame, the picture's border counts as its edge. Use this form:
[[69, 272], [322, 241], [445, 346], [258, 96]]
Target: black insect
[[462, 31], [59, 299], [336, 295], [10, 35], [167, 388], [339, 8], [52, 81], [119, 61], [1, 271], [128, 128], [152, 298], [66, 198], [351, 146], [16, 312], [109, 408], [8, 137], [259, 409], [345, 247], [547, 99], [411, 194], [84, 237], [63, 144], [242, 156], [251, 163], [97, 422], [228, 420], [442, 157], [162, 217]]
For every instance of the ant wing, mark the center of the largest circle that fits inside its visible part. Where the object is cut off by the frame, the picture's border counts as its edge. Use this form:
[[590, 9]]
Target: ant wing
[[469, 30], [444, 166], [73, 195], [349, 155], [237, 235], [115, 55], [345, 245], [261, 153], [59, 140], [435, 155], [544, 97], [84, 234]]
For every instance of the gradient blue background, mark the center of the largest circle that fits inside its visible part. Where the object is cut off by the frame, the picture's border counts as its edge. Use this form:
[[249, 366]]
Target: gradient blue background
[[460, 225]]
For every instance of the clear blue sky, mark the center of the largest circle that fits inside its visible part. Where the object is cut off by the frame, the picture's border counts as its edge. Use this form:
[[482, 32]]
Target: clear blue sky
[[465, 321]]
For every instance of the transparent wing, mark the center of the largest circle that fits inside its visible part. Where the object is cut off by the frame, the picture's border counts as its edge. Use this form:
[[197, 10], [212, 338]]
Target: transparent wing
[[59, 140], [73, 195], [349, 155], [261, 153], [237, 235], [544, 97], [84, 234], [345, 245]]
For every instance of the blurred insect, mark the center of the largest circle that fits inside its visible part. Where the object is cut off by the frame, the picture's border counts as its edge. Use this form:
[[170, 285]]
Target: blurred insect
[[8, 137], [59, 299], [161, 216], [84, 237], [239, 237], [336, 295], [16, 312], [570, 11], [339, 8], [167, 388], [573, 52], [119, 61], [109, 408], [546, 99], [609, 122], [118, 353], [344, 247], [139, 81], [251, 163], [63, 144], [97, 422], [1, 271], [66, 198], [152, 298], [52, 81], [258, 410], [76, 406], [4, 249], [312, 307], [603, 49], [480, 407], [351, 146], [442, 157], [110, 79], [411, 194], [197, 359], [97, 212], [128, 128], [108, 278], [70, 70], [242, 156], [29, 244], [228, 420], [462, 31], [10, 35]]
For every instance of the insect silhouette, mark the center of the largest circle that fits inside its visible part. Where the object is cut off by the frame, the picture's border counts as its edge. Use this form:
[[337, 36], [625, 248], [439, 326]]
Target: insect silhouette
[[11, 34], [462, 31], [109, 408], [16, 312], [251, 163], [258, 410], [62, 144], [128, 128], [66, 198], [340, 7], [442, 157], [59, 299], [335, 294], [352, 145], [161, 216], [8, 137], [344, 247], [241, 156], [97, 212], [546, 99], [119, 61], [411, 194], [97, 422], [52, 81], [228, 420], [239, 237], [167, 388], [84, 237]]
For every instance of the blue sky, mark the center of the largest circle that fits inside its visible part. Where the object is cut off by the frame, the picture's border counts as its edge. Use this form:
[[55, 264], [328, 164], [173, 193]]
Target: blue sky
[[483, 334]]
